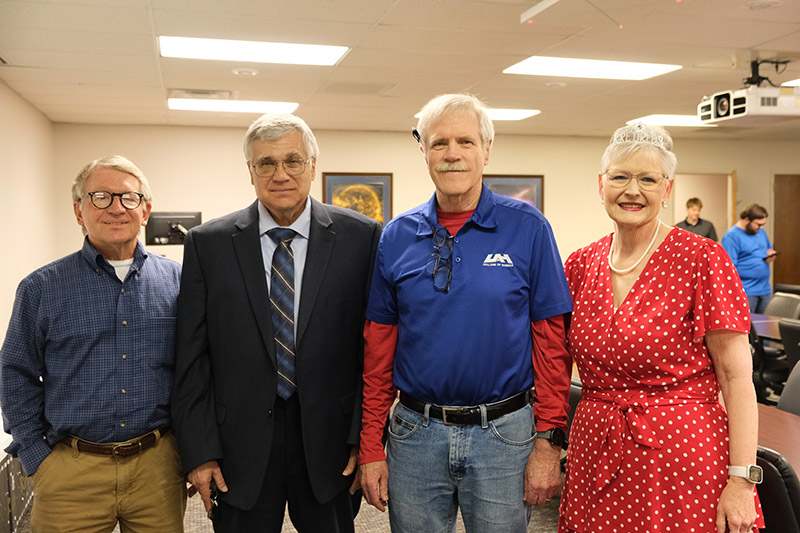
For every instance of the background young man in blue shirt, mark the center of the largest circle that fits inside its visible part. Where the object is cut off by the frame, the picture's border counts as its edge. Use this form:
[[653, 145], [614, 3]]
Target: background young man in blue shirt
[[751, 252]]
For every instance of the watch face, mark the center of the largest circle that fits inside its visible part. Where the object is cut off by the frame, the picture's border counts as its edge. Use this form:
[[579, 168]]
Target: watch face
[[755, 474], [558, 437]]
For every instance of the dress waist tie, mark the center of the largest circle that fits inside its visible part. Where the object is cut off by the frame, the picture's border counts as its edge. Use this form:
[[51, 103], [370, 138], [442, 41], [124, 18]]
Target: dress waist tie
[[627, 417]]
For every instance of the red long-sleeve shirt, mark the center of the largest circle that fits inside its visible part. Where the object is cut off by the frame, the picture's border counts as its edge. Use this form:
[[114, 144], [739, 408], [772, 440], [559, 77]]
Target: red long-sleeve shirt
[[551, 364]]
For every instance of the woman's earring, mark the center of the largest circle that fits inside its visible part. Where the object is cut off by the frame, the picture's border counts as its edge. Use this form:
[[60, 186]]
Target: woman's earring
[[664, 204]]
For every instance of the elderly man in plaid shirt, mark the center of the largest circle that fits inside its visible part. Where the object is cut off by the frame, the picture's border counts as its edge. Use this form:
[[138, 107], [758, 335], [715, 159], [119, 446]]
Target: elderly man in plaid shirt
[[87, 368]]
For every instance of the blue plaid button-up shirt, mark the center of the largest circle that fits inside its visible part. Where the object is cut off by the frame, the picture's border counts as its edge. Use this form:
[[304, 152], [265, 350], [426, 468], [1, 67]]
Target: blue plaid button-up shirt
[[87, 354]]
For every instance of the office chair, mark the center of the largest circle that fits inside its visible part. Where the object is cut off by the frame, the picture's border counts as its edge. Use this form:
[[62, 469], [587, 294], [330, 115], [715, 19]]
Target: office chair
[[784, 305], [779, 493], [575, 388], [790, 396], [785, 287], [790, 338], [768, 372]]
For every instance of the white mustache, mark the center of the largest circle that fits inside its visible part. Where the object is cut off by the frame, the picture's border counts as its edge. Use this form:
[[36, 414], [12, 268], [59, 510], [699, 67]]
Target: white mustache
[[452, 167]]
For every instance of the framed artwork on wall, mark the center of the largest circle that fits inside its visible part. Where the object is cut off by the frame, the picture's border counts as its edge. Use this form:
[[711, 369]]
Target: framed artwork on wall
[[369, 194], [529, 189]]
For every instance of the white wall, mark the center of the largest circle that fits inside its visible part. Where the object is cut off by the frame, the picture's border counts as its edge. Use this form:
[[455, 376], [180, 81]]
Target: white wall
[[712, 190], [203, 169], [194, 168], [27, 239]]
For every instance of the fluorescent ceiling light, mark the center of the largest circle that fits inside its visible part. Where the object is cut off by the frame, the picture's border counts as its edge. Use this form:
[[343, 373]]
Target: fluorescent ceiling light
[[250, 51], [689, 121], [588, 68], [792, 83], [535, 10], [511, 114], [230, 106], [506, 114]]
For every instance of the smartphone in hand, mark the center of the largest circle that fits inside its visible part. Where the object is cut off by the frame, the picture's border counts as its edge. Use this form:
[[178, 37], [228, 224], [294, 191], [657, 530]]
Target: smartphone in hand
[[770, 256]]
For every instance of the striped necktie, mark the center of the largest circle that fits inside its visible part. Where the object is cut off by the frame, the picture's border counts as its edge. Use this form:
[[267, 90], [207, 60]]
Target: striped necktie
[[281, 298]]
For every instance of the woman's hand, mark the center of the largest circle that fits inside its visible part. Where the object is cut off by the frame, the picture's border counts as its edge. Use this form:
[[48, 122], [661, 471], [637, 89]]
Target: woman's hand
[[736, 510]]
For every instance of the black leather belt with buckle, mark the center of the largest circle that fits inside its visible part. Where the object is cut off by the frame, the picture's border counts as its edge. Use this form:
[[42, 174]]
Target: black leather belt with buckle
[[468, 415]]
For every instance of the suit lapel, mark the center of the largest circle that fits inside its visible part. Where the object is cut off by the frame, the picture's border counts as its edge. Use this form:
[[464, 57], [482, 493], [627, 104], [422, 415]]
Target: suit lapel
[[320, 245], [247, 246]]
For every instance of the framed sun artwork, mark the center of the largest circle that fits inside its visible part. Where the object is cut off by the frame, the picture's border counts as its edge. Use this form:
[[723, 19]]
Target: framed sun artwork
[[369, 194]]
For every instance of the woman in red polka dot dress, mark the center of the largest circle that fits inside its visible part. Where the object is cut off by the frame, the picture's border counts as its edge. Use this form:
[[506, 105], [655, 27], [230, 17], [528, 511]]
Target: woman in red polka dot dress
[[659, 329]]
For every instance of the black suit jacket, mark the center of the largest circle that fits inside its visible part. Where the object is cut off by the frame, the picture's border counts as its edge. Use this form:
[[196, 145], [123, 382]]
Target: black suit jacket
[[225, 375]]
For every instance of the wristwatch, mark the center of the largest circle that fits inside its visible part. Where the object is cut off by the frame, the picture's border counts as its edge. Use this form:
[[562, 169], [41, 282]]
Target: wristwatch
[[752, 473], [556, 436]]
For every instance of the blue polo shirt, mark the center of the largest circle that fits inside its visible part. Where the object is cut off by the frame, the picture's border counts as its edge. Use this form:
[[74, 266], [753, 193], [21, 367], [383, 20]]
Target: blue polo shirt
[[747, 253], [473, 344]]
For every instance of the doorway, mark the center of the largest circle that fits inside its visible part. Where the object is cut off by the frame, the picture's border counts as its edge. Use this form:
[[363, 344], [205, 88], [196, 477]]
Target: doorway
[[714, 190], [786, 225]]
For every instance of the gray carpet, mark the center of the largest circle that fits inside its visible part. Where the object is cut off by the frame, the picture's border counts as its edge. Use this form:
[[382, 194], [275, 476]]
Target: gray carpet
[[369, 520]]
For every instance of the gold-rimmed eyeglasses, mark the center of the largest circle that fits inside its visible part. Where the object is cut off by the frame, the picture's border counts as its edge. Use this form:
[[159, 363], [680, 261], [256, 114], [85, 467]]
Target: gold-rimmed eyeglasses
[[648, 181], [266, 168]]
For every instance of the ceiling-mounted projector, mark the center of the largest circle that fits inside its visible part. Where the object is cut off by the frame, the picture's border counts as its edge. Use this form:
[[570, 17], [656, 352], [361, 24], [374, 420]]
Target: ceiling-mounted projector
[[752, 106]]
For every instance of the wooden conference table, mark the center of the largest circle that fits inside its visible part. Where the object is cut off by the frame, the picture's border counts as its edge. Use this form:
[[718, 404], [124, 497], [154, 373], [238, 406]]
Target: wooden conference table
[[766, 326], [780, 431]]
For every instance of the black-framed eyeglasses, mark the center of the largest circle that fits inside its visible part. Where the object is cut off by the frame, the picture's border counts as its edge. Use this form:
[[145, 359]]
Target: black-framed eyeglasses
[[440, 262], [266, 168], [104, 199]]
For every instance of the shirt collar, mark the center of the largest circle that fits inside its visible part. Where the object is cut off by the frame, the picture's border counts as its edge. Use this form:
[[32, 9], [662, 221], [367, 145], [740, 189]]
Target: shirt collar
[[484, 215], [95, 258], [301, 226]]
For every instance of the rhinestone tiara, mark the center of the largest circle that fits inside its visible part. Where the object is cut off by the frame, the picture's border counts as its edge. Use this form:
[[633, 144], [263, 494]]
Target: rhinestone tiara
[[642, 133]]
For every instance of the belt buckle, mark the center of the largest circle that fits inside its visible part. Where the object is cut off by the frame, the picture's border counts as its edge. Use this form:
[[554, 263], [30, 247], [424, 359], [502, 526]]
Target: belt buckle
[[115, 450], [453, 410]]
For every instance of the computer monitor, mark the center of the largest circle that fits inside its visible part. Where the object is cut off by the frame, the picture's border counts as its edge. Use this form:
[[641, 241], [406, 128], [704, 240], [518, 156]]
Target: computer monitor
[[170, 227]]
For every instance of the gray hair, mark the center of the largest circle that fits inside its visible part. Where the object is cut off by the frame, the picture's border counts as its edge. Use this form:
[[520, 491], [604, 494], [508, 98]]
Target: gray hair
[[454, 103], [271, 126], [116, 162], [633, 138]]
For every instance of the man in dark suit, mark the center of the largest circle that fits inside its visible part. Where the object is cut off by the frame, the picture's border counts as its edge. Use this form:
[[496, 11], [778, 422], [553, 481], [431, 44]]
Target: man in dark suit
[[269, 348]]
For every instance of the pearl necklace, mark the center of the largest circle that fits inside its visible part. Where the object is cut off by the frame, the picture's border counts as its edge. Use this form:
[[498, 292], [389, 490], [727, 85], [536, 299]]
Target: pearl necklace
[[630, 268]]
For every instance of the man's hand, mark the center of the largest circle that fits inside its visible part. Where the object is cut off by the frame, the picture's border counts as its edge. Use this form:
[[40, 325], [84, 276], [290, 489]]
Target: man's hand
[[352, 464], [542, 479], [201, 477], [374, 479]]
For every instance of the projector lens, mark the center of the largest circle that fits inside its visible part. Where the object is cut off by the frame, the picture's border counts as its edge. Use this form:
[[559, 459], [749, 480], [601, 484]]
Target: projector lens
[[722, 105]]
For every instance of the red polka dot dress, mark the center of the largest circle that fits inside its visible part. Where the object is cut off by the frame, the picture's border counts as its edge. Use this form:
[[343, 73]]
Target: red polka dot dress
[[649, 441]]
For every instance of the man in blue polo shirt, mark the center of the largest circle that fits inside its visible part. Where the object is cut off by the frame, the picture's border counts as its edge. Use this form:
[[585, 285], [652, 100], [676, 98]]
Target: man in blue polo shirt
[[751, 252], [465, 315]]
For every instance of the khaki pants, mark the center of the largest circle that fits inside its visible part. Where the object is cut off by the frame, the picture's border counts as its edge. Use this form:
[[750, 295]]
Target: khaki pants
[[82, 492]]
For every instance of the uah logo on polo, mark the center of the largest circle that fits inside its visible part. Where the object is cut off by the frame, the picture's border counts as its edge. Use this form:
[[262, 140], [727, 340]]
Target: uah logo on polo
[[502, 260]]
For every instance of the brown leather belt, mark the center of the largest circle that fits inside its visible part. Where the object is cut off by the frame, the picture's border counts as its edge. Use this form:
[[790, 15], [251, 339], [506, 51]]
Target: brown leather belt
[[468, 415], [116, 449]]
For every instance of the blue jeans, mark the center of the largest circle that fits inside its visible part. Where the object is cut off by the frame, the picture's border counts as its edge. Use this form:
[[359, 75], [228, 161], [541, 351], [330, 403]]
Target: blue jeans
[[758, 304], [434, 469]]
